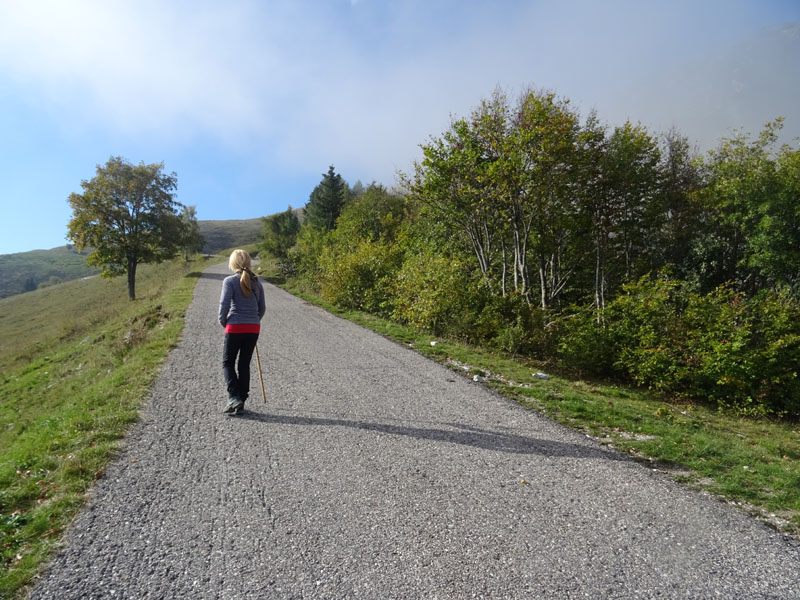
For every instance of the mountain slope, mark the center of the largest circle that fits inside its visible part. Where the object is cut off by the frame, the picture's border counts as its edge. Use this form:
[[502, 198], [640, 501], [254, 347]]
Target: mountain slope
[[219, 235], [26, 271]]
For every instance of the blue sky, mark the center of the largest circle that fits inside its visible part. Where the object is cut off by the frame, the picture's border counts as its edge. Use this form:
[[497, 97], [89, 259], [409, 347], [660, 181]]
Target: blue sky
[[250, 101]]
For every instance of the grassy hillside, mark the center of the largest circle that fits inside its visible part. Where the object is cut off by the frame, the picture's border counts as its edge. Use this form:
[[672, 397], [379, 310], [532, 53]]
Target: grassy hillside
[[26, 271], [76, 361], [219, 235]]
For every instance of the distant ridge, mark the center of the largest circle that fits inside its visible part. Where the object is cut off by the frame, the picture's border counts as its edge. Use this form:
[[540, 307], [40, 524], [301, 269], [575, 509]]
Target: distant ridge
[[219, 235], [27, 271]]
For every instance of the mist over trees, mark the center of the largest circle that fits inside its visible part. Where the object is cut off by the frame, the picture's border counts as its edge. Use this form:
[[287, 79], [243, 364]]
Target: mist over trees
[[612, 251]]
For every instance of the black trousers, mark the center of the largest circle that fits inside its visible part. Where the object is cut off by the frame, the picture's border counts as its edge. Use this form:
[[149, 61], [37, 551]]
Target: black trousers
[[237, 376]]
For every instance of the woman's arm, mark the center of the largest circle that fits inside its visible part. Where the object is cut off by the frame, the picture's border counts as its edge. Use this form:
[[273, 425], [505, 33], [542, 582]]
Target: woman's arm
[[262, 305], [225, 303]]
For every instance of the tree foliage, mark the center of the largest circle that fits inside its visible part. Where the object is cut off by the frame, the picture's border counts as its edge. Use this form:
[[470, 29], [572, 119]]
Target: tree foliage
[[128, 215], [192, 241], [375, 214], [360, 259], [280, 233], [611, 250], [751, 214], [326, 201]]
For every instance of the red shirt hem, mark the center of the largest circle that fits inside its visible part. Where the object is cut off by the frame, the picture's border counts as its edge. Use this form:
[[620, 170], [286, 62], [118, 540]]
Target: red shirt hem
[[243, 328]]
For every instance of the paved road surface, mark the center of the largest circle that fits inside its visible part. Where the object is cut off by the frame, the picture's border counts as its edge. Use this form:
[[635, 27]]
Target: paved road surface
[[375, 473]]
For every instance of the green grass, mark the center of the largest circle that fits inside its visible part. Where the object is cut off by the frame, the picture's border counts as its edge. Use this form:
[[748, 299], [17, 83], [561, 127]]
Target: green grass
[[77, 359], [754, 464]]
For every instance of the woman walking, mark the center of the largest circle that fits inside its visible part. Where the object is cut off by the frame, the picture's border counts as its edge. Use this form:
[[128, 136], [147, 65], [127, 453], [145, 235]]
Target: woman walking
[[241, 307]]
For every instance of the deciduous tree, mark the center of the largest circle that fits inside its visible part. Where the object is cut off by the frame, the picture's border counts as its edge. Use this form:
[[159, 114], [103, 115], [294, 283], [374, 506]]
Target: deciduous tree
[[128, 215], [680, 180], [740, 201], [192, 241], [280, 232]]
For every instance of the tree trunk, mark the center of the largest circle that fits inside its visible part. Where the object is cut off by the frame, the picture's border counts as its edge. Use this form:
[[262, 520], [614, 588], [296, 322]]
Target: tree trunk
[[543, 282], [523, 267], [599, 281], [503, 282], [131, 279], [516, 259]]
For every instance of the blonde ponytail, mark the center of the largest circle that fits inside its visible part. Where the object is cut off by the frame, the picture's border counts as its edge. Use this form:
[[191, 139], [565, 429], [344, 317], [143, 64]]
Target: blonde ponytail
[[246, 282], [239, 262]]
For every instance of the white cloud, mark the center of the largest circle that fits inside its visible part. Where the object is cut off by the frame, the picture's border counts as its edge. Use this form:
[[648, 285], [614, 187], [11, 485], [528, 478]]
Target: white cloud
[[140, 68], [314, 83]]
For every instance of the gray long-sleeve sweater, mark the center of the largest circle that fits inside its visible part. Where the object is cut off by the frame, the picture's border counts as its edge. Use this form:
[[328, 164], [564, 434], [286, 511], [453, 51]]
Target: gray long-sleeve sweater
[[236, 308]]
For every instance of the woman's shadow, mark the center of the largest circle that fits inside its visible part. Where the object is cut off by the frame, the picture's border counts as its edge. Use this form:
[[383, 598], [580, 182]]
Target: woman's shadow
[[459, 434]]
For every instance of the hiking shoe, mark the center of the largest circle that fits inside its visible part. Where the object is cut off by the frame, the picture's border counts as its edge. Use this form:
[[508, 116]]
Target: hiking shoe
[[234, 404]]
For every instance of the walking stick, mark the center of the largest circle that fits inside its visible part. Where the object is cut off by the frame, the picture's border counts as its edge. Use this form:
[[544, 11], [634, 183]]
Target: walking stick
[[260, 375]]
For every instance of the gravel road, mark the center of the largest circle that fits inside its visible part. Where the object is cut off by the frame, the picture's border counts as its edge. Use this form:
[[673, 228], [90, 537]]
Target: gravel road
[[373, 472]]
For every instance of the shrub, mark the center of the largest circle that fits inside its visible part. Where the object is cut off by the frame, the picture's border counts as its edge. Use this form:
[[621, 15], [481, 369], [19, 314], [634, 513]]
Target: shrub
[[645, 325], [584, 343], [776, 343], [431, 292], [303, 258], [512, 324], [513, 338], [721, 347], [360, 279]]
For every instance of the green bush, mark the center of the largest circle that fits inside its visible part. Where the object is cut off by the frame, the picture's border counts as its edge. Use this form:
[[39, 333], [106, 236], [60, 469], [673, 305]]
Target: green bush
[[585, 344], [720, 347], [513, 338], [512, 324], [360, 279], [776, 338], [645, 325], [303, 258], [432, 292]]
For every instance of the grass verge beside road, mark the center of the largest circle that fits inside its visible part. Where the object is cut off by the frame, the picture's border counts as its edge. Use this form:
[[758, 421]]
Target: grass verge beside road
[[76, 361], [753, 464]]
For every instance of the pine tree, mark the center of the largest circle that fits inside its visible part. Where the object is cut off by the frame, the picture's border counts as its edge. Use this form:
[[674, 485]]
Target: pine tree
[[326, 201]]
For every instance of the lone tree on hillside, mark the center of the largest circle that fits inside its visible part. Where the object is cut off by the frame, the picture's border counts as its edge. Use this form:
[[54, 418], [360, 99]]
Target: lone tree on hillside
[[128, 215], [326, 201]]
